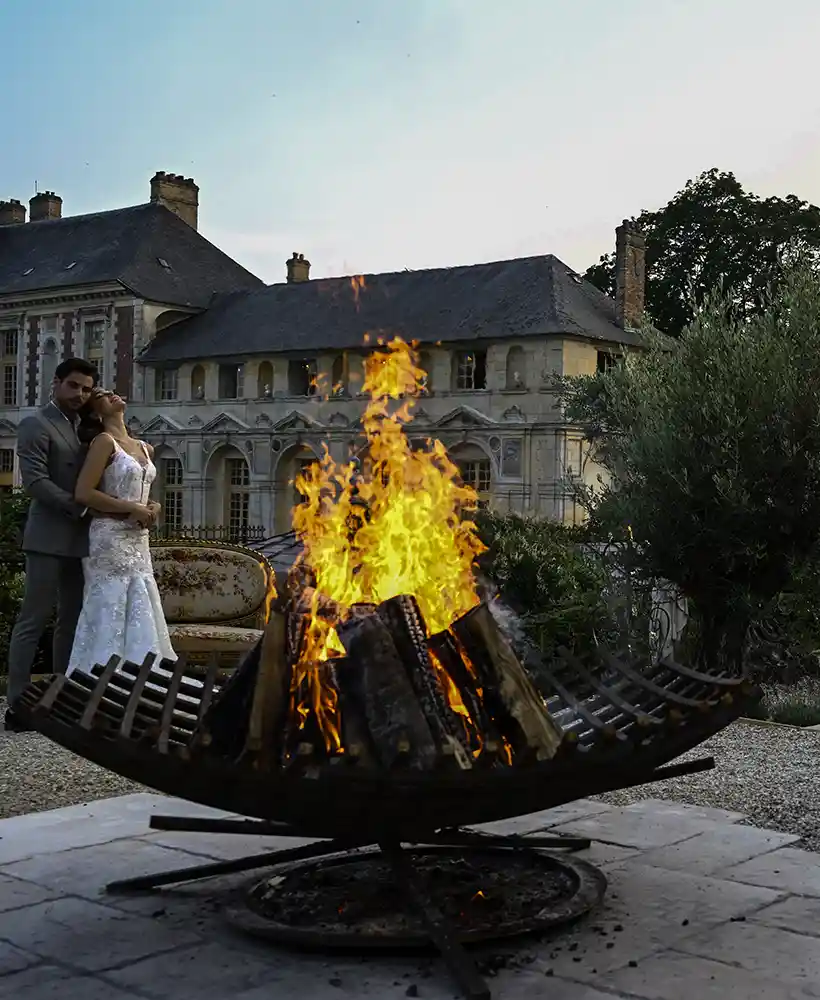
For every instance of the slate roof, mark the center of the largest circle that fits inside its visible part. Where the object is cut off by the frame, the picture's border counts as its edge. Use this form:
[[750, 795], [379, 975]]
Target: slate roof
[[530, 296], [122, 245]]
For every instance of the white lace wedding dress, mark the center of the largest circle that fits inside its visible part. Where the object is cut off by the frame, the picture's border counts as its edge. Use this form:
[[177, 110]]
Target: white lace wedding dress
[[122, 612]]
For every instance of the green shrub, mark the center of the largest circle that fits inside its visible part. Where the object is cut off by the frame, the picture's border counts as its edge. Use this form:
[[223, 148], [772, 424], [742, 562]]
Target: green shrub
[[542, 572], [795, 704]]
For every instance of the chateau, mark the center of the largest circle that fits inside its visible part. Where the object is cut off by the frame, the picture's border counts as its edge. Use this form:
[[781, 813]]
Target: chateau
[[237, 384]]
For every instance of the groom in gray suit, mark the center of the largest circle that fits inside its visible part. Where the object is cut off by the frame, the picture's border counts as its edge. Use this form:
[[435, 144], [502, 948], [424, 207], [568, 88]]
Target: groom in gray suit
[[55, 539]]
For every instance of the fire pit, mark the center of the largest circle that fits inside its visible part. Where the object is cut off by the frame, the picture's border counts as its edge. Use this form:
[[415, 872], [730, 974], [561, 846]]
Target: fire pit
[[386, 705]]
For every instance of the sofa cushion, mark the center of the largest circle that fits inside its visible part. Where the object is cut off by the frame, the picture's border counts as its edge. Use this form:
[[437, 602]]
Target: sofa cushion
[[210, 584]]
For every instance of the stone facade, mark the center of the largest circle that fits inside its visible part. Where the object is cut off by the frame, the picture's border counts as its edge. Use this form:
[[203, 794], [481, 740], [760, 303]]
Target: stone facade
[[230, 460]]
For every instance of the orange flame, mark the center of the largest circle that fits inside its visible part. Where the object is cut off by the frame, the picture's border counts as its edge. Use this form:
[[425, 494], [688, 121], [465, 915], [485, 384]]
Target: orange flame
[[357, 285], [392, 525], [398, 528]]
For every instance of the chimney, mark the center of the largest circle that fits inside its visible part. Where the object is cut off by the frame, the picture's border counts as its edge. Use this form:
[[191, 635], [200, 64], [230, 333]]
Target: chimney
[[177, 193], [630, 275], [298, 268], [12, 213], [45, 205]]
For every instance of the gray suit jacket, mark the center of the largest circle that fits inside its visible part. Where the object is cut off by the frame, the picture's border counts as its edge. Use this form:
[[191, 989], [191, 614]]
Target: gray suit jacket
[[50, 457]]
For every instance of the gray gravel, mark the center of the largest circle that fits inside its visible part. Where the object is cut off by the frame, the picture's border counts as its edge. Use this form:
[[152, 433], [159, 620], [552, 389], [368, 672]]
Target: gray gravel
[[769, 773], [36, 774]]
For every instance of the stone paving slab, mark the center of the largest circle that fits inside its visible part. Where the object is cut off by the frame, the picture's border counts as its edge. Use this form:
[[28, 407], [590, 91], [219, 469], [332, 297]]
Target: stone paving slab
[[646, 910], [698, 904], [710, 852], [674, 976], [791, 959], [51, 982], [639, 828], [89, 936], [789, 869]]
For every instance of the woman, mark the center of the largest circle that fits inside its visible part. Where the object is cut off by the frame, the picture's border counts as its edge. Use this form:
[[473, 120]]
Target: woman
[[122, 613]]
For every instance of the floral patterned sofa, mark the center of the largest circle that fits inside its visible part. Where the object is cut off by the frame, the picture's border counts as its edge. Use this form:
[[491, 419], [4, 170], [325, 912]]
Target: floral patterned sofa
[[215, 596]]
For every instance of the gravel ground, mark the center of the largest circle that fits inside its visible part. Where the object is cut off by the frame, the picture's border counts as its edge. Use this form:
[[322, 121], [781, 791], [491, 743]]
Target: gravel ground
[[36, 774], [771, 774]]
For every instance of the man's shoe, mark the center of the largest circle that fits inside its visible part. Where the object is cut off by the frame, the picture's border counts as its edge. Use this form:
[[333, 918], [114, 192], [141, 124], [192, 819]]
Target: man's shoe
[[14, 724]]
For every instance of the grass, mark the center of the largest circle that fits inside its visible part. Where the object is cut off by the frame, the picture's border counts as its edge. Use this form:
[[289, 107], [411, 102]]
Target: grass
[[795, 704]]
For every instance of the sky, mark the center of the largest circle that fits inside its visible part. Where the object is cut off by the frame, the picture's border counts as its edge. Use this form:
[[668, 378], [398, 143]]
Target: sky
[[379, 135]]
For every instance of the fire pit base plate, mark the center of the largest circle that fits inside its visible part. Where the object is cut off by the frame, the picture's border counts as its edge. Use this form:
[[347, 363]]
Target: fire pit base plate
[[356, 902]]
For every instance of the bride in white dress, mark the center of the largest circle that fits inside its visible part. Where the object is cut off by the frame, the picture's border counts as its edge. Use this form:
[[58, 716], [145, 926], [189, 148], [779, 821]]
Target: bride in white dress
[[122, 612]]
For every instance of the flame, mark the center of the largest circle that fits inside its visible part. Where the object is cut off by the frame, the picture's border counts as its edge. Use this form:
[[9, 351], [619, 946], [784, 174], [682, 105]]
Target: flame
[[357, 285], [389, 525]]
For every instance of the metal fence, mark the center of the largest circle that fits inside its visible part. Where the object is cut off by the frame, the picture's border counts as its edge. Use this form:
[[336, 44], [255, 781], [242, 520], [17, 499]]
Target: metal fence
[[250, 534]]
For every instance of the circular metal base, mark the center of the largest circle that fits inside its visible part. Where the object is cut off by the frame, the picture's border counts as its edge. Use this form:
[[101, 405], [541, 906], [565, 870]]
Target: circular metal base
[[353, 902]]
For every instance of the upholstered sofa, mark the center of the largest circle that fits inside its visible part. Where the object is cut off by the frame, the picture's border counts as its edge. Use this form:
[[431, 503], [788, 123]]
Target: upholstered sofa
[[215, 596]]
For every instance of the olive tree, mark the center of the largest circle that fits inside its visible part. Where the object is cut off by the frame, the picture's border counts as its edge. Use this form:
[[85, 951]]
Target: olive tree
[[711, 448]]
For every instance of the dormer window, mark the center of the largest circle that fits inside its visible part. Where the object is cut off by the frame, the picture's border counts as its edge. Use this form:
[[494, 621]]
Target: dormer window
[[471, 370]]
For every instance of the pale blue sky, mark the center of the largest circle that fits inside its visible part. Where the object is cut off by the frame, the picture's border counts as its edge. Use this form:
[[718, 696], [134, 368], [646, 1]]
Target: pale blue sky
[[374, 135]]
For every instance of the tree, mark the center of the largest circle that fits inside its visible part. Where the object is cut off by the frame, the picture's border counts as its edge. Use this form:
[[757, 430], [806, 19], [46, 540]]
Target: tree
[[713, 449], [715, 234]]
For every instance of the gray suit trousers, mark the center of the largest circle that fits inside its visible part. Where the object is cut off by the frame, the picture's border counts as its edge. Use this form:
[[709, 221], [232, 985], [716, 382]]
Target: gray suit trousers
[[51, 581]]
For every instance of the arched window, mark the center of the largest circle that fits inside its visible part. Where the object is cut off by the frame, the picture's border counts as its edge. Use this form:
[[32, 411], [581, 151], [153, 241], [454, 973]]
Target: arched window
[[198, 382], [264, 380], [516, 368]]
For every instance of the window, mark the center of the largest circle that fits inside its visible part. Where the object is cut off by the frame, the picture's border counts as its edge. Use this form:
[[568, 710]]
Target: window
[[10, 342], [264, 380], [48, 324], [239, 482], [303, 374], [94, 336], [6, 460], [607, 361], [167, 386], [471, 370], [231, 381], [198, 382], [10, 385], [171, 472], [476, 473]]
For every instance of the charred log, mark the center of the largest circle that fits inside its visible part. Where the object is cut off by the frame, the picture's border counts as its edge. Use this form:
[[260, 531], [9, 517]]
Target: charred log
[[403, 618], [356, 739], [270, 699], [400, 732], [509, 694]]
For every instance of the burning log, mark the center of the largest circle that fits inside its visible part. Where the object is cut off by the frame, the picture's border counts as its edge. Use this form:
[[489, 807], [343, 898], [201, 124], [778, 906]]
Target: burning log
[[510, 696], [479, 728], [402, 616], [398, 728]]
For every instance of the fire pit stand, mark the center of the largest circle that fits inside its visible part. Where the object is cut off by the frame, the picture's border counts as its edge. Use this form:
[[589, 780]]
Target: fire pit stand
[[583, 886]]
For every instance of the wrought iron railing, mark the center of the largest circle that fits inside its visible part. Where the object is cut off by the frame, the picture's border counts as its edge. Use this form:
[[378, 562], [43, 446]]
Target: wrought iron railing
[[247, 535]]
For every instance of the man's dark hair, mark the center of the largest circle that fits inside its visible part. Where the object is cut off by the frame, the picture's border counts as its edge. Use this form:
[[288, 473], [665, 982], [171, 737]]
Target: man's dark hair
[[78, 365]]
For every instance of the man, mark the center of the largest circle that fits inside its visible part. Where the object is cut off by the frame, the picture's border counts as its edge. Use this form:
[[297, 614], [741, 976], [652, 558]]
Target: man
[[55, 539]]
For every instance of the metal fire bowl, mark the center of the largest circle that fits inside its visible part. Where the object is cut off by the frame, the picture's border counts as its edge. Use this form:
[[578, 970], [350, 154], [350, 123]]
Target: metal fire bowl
[[587, 892]]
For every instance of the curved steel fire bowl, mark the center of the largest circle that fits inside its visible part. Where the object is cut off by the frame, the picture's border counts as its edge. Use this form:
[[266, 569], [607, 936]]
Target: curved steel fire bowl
[[358, 901]]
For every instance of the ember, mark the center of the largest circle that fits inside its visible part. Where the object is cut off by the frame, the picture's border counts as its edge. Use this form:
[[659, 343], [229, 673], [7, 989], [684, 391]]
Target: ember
[[392, 659]]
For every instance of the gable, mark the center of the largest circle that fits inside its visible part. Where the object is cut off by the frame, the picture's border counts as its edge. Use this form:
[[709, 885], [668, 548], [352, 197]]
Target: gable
[[464, 416], [225, 423], [297, 421], [160, 425]]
